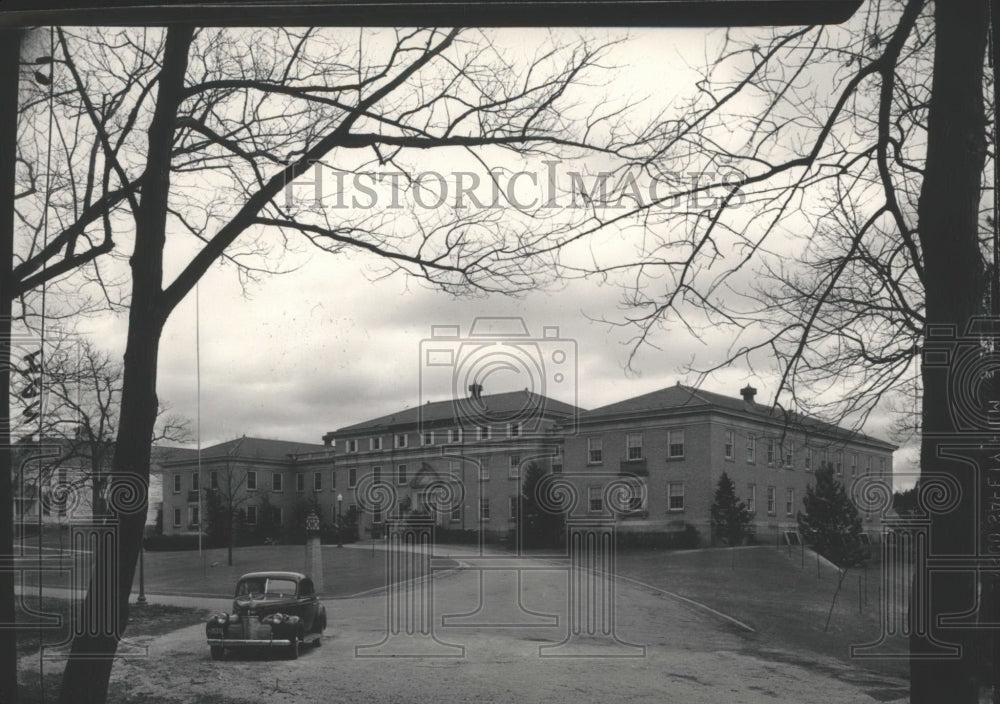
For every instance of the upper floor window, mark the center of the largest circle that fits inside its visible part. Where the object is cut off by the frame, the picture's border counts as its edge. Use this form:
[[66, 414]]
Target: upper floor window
[[401, 439], [401, 474], [595, 450], [515, 464], [376, 475], [751, 449], [868, 464], [730, 444], [557, 461], [195, 480], [177, 483], [772, 451], [252, 480], [276, 481], [789, 455], [427, 438], [213, 479], [840, 464], [633, 444], [675, 443], [854, 464], [881, 465], [455, 435], [300, 481], [375, 443], [351, 446], [483, 432], [809, 459], [352, 477], [513, 430], [317, 481]]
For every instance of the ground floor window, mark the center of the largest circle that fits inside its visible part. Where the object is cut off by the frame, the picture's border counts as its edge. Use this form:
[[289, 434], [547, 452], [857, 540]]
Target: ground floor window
[[484, 509], [177, 518], [251, 515], [675, 496]]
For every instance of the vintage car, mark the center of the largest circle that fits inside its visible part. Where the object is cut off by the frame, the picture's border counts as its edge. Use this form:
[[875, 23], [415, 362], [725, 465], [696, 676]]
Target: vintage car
[[270, 609]]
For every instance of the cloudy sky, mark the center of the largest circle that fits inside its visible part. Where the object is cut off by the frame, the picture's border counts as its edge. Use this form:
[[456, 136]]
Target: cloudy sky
[[330, 344]]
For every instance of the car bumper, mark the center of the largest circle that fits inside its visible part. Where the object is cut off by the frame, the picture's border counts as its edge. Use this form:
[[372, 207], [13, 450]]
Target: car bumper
[[249, 642]]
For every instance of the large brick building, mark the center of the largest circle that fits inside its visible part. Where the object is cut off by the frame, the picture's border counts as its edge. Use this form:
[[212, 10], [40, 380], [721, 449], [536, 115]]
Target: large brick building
[[463, 461]]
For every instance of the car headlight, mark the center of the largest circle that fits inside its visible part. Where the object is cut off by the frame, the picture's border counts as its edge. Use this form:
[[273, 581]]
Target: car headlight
[[220, 618], [279, 618]]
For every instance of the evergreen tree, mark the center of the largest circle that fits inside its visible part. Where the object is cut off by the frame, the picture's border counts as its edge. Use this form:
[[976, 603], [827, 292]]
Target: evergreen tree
[[730, 516], [831, 524]]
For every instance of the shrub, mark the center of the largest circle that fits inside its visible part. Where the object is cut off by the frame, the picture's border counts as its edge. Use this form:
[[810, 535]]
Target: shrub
[[684, 539]]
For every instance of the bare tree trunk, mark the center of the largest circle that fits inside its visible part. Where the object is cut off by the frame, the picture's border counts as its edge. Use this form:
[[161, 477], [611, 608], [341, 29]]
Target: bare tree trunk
[[11, 40], [948, 213], [85, 680]]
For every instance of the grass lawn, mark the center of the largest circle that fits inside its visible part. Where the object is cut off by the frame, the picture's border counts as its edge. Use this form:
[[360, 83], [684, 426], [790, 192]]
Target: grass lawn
[[771, 591], [346, 571]]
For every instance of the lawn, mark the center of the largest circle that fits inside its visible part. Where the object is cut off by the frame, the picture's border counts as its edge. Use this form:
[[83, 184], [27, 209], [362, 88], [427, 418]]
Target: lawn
[[346, 571], [783, 598]]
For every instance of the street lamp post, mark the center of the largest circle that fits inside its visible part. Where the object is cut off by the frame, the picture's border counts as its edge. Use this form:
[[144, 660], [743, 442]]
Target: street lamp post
[[142, 575], [340, 501]]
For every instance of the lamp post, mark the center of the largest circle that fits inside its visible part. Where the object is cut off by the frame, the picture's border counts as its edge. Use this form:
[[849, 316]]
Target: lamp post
[[340, 501], [142, 575]]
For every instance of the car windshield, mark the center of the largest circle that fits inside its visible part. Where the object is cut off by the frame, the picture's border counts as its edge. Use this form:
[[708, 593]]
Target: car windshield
[[263, 586]]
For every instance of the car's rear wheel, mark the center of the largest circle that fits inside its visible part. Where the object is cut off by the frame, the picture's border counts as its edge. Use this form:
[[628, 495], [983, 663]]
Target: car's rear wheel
[[217, 652]]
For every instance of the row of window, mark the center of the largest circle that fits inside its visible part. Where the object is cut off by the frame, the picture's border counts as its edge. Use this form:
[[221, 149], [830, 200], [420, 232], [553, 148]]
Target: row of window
[[277, 481], [776, 453], [453, 435], [250, 516], [772, 498]]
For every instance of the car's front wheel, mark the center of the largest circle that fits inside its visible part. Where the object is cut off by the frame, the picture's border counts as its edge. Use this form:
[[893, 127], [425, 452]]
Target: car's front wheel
[[293, 649], [217, 652]]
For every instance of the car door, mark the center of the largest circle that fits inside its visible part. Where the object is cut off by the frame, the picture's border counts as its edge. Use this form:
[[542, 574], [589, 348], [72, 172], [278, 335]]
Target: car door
[[307, 604]]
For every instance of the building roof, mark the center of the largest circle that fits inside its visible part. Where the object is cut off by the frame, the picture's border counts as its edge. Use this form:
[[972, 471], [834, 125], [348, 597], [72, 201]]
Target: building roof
[[249, 448], [512, 403], [681, 397]]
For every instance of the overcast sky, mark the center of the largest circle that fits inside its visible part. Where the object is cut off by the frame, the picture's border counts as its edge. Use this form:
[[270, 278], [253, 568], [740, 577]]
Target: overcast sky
[[327, 345]]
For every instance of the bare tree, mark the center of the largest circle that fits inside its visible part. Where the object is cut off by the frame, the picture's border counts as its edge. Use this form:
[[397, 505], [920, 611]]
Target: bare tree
[[849, 225], [192, 137], [226, 498]]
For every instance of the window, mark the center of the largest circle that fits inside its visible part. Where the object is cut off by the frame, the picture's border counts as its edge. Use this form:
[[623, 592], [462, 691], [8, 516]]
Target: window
[[730, 444], [789, 456], [177, 483], [752, 498], [772, 451], [595, 501], [484, 509], [401, 439], [633, 445], [251, 515], [809, 459], [213, 479], [854, 464], [751, 449], [675, 443], [456, 513], [595, 450], [427, 439], [881, 465], [195, 477], [790, 502], [401, 474], [351, 446], [251, 480], [333, 479], [376, 475], [192, 516], [483, 432], [675, 496], [770, 500], [317, 481], [177, 518], [840, 464], [275, 481], [352, 477], [484, 467], [375, 443], [455, 435], [515, 465], [513, 430], [512, 502], [377, 516], [300, 481], [557, 462], [868, 464]]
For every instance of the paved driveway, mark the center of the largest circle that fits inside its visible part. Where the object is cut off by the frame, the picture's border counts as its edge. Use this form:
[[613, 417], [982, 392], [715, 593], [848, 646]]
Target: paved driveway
[[495, 638]]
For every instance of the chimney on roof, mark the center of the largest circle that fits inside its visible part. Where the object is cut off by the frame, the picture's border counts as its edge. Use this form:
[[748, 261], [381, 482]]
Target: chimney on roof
[[748, 392], [476, 391]]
